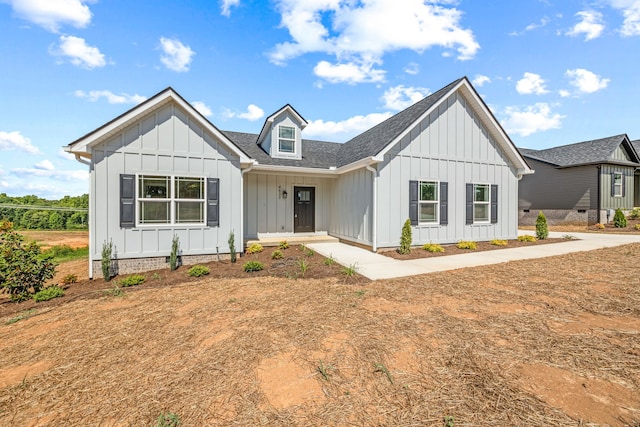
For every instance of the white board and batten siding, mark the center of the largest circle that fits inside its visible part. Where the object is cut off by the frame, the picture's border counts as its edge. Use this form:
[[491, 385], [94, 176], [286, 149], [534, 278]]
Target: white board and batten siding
[[352, 207], [450, 145], [266, 211], [167, 143]]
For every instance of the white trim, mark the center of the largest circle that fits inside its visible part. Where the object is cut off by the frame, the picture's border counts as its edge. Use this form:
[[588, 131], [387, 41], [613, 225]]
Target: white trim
[[614, 185], [268, 123], [437, 203], [488, 203]]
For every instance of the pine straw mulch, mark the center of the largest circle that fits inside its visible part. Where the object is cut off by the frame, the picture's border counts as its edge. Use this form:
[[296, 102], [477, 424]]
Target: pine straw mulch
[[547, 342]]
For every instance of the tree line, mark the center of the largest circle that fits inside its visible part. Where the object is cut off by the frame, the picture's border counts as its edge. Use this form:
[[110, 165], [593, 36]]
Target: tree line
[[35, 213]]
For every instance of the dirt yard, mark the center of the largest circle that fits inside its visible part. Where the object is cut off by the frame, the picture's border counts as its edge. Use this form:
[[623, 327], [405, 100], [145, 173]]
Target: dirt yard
[[545, 342]]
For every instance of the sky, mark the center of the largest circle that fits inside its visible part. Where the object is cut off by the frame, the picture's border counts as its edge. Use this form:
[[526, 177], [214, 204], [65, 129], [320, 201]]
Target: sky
[[553, 72]]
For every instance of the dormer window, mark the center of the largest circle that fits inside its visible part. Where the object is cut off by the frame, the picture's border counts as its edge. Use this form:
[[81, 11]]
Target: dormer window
[[286, 139]]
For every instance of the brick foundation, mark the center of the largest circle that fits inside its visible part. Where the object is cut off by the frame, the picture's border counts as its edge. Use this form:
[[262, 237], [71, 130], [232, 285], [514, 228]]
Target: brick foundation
[[139, 265], [563, 217]]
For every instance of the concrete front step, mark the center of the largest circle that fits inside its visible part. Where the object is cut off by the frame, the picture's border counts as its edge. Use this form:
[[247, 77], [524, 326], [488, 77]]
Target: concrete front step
[[293, 240]]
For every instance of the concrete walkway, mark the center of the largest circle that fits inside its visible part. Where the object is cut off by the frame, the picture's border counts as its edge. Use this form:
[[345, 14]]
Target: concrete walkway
[[375, 266]]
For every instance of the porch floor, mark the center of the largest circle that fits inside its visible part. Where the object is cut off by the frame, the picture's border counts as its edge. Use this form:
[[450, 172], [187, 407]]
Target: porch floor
[[293, 240]]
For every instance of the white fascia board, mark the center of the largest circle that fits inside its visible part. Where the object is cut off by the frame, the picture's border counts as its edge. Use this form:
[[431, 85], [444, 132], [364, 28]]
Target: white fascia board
[[289, 170], [362, 163]]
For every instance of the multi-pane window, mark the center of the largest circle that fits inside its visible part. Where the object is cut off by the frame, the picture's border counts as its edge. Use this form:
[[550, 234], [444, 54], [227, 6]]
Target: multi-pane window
[[286, 139], [170, 200], [481, 203], [428, 202], [617, 184]]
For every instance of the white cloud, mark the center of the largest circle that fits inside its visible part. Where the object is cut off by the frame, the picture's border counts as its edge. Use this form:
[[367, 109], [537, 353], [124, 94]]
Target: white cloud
[[112, 98], [631, 13], [79, 53], [564, 93], [350, 73], [345, 129], [46, 169], [590, 25], [479, 80], [412, 68], [531, 83], [15, 141], [252, 114], [400, 97], [531, 119], [226, 5], [360, 33], [586, 81], [65, 155], [45, 165], [51, 14], [176, 56], [202, 108], [533, 26]]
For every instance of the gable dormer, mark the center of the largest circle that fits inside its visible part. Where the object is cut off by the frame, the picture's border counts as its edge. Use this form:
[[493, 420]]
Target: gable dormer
[[281, 135]]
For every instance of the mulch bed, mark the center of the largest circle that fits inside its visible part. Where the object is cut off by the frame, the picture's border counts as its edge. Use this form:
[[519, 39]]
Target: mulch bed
[[418, 252]]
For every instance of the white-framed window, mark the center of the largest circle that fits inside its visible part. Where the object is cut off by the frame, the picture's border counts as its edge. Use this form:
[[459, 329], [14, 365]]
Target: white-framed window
[[286, 139], [171, 200], [617, 184], [481, 203], [428, 200]]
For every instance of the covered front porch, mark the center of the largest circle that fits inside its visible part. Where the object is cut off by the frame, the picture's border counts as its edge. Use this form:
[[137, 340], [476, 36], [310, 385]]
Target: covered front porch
[[274, 239]]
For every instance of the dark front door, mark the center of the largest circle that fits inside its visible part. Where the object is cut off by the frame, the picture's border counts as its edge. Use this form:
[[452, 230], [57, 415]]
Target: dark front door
[[304, 209]]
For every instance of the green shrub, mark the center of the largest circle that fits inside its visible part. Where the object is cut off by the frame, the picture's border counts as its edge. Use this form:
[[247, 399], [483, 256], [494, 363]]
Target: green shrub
[[635, 213], [466, 244], [619, 220], [173, 258], [133, 280], [350, 271], [637, 227], [167, 420], [432, 247], [198, 271], [232, 247], [405, 238], [526, 238], [303, 265], [283, 245], [329, 261], [69, 279], [105, 262], [250, 266], [48, 293], [277, 254], [254, 248], [497, 242], [542, 230], [23, 268]]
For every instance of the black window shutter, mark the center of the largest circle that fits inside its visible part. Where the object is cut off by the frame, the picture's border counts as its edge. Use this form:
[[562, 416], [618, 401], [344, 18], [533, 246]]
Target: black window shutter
[[623, 180], [444, 203], [494, 204], [413, 202], [213, 202], [613, 184], [127, 201], [469, 205]]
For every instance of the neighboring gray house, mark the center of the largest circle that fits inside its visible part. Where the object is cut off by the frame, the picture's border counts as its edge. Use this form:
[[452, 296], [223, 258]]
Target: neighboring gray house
[[636, 181], [580, 183], [162, 169]]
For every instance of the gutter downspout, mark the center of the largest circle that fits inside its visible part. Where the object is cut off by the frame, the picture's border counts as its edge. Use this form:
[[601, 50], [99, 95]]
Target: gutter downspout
[[242, 202], [374, 214]]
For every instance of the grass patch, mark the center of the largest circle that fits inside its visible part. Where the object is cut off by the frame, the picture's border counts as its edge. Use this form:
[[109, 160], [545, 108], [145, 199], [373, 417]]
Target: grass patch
[[329, 261], [62, 253], [167, 420], [350, 271], [48, 293], [24, 315]]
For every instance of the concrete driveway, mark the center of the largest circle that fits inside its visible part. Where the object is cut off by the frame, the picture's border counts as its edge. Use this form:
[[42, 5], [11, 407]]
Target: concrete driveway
[[375, 266]]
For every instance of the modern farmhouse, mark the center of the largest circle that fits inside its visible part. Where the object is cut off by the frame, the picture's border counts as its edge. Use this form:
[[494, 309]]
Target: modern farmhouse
[[162, 169]]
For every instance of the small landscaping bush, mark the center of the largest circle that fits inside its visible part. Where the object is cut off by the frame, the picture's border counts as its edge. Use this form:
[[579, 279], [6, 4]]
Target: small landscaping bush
[[432, 247], [69, 279], [277, 254], [254, 248], [303, 265], [133, 280], [497, 242], [635, 213], [526, 238], [329, 261], [599, 226], [283, 245], [637, 227], [48, 293], [105, 262], [350, 271], [173, 258], [542, 230], [250, 266], [405, 238], [464, 244], [619, 220], [167, 420], [232, 247], [198, 271]]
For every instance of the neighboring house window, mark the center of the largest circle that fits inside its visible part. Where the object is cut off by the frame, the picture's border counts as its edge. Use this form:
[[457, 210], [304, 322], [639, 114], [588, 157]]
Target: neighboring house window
[[482, 204], [428, 202], [286, 139], [170, 200], [617, 184]]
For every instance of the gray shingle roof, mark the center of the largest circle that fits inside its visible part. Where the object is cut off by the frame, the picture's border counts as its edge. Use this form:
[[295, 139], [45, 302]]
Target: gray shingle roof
[[580, 153], [315, 154], [636, 145]]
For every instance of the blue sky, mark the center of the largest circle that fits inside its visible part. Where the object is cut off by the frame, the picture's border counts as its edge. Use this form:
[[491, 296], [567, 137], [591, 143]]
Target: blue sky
[[552, 71]]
